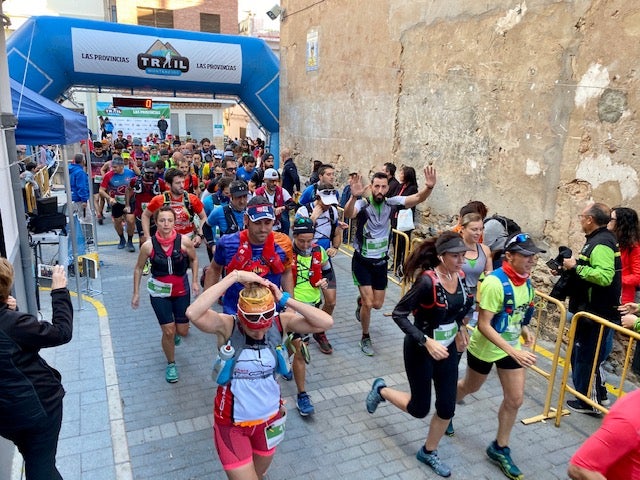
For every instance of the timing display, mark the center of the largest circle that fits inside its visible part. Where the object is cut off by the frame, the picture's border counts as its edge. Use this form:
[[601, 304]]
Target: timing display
[[133, 102]]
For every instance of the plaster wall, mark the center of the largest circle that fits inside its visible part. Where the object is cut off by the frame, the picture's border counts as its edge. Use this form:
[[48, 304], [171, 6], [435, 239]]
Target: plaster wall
[[529, 107]]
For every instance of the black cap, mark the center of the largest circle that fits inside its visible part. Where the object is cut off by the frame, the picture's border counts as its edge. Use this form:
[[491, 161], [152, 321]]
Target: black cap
[[452, 245], [522, 243], [303, 225], [149, 167], [238, 188]]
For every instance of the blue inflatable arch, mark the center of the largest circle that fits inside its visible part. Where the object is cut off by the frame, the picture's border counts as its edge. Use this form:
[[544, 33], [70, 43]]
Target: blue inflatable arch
[[52, 54]]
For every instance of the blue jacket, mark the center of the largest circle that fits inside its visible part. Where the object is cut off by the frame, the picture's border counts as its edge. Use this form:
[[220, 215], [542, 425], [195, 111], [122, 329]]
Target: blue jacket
[[79, 183]]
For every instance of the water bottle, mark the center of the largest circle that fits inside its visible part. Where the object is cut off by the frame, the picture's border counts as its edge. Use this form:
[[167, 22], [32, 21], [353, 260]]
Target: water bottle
[[282, 362], [224, 364]]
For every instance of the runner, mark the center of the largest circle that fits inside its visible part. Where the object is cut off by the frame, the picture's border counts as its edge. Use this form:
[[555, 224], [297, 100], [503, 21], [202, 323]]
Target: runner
[[228, 217], [185, 205], [371, 243], [113, 189], [328, 234], [171, 254], [247, 431]]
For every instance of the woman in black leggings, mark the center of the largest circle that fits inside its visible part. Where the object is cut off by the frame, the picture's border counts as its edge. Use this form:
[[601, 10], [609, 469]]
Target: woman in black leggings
[[439, 300]]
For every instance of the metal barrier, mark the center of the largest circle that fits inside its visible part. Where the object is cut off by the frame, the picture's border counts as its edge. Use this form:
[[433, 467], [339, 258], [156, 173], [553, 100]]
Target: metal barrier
[[541, 308], [582, 316]]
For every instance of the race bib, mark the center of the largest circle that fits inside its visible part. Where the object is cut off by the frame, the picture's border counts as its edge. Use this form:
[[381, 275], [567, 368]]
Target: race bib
[[120, 199], [97, 179], [445, 334], [158, 289], [144, 206], [274, 433], [375, 247]]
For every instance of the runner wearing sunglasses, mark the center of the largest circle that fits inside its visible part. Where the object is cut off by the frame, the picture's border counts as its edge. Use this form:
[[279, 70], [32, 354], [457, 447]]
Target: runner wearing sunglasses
[[248, 410], [496, 340]]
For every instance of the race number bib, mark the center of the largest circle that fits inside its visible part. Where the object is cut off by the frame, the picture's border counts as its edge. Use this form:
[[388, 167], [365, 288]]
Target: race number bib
[[445, 334], [274, 433], [158, 289], [375, 247]]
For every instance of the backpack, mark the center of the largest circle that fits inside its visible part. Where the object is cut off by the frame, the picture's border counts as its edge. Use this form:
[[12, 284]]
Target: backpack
[[332, 218], [232, 225], [500, 320], [186, 202], [509, 227]]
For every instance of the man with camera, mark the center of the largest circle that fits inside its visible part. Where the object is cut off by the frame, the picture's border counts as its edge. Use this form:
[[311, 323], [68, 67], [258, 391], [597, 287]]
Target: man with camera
[[595, 288]]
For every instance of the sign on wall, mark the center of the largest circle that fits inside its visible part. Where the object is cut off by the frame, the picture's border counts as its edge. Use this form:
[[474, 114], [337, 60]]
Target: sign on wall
[[114, 53], [312, 50], [137, 122]]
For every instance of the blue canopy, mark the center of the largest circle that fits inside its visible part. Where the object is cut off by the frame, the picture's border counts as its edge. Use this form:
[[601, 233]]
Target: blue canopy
[[44, 122]]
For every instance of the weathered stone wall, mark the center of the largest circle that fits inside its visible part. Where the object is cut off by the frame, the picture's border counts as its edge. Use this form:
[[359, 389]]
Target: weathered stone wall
[[529, 107]]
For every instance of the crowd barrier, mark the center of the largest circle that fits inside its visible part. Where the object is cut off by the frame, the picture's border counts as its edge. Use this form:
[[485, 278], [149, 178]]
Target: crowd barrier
[[564, 388]]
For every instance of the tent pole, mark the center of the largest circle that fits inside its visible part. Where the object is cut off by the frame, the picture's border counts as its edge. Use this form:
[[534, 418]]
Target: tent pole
[[72, 223]]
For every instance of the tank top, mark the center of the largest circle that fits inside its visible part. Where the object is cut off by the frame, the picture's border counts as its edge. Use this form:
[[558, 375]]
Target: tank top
[[473, 268]]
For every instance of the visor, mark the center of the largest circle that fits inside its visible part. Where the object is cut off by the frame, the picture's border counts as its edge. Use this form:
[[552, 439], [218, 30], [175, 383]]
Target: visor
[[453, 245]]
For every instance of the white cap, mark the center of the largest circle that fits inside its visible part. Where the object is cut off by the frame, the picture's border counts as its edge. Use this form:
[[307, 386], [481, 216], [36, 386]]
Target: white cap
[[271, 174]]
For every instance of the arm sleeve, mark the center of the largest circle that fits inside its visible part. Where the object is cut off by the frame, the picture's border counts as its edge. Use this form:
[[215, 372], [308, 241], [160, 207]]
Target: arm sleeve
[[602, 266], [28, 332], [421, 292]]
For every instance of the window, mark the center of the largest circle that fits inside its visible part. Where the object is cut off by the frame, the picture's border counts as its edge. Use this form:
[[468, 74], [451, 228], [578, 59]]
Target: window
[[210, 23], [155, 17]]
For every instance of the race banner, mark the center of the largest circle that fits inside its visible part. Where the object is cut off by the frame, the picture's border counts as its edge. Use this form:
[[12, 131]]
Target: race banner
[[137, 122]]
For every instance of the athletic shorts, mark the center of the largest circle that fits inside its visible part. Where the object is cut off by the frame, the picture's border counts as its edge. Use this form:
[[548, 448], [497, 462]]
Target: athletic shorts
[[171, 309], [330, 275], [95, 188], [367, 272], [482, 367], [236, 445], [117, 210]]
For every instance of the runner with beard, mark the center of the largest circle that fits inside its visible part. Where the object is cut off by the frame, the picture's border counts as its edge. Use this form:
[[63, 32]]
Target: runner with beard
[[371, 243]]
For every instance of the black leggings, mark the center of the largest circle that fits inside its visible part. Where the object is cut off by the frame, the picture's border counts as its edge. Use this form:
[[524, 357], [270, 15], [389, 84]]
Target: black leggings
[[421, 368]]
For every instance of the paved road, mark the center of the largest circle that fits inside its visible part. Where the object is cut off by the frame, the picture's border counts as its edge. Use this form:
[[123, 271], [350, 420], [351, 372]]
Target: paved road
[[123, 421]]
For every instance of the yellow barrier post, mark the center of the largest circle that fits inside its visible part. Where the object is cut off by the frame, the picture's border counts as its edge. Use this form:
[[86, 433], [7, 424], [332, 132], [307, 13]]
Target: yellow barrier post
[[547, 411]]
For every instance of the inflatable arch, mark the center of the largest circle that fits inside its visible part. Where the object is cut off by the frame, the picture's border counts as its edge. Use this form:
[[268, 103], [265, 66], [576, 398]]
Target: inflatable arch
[[51, 54]]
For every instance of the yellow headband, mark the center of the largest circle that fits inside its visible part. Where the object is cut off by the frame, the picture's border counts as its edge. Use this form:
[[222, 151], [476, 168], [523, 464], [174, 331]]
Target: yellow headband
[[256, 305]]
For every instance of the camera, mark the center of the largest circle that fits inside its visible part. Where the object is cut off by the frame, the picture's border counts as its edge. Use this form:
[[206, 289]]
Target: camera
[[556, 263]]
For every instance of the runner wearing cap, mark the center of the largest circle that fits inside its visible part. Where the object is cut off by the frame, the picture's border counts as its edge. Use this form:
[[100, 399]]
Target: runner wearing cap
[[139, 193], [496, 340], [438, 300], [256, 249], [279, 198], [229, 218], [371, 242], [328, 229], [113, 189], [266, 162], [309, 262], [98, 158]]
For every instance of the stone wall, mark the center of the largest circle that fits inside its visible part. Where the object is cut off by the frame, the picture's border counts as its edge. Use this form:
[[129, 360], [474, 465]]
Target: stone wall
[[529, 107]]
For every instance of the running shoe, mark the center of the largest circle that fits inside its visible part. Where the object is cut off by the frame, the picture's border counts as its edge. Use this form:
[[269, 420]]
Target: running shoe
[[580, 407], [359, 302], [604, 397], [171, 375], [305, 407], [323, 343], [130, 246], [122, 244], [450, 432], [147, 267], [177, 339], [502, 457], [100, 220], [373, 397], [433, 460], [367, 347]]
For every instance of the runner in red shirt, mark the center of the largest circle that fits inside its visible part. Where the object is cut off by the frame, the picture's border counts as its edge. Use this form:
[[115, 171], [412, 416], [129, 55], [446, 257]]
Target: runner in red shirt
[[186, 205]]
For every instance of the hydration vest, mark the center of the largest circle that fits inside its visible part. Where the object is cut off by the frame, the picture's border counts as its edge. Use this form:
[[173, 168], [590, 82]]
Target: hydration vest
[[315, 269], [139, 187], [185, 201], [439, 303], [232, 224], [269, 261], [500, 320], [163, 265]]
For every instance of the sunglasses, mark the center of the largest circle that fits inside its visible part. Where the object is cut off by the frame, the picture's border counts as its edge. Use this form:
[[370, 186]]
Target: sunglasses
[[230, 169], [327, 193], [520, 238], [257, 317]]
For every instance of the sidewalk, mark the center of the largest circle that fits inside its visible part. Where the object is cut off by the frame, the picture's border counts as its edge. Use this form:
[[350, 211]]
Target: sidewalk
[[123, 421]]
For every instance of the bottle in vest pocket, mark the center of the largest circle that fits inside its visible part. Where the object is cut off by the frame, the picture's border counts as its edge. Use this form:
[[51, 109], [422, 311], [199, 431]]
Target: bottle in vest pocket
[[282, 365], [225, 363]]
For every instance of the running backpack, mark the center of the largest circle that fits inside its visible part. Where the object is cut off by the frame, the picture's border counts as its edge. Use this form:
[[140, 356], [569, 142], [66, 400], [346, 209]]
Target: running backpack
[[500, 320], [186, 202]]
